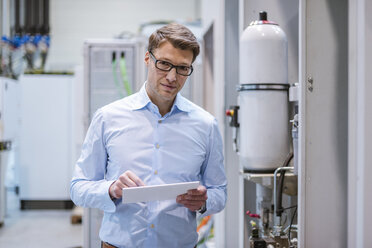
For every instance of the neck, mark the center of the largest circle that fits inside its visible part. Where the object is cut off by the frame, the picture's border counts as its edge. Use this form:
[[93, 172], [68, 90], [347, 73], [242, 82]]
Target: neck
[[163, 106]]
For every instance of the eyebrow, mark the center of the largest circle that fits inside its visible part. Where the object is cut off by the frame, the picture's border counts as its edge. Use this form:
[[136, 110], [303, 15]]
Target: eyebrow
[[167, 60]]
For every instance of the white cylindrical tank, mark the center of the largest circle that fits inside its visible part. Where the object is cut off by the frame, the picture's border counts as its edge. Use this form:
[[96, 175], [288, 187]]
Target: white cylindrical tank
[[263, 96], [263, 53]]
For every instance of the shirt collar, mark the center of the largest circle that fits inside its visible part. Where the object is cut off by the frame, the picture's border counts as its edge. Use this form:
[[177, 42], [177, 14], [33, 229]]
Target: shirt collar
[[142, 100], [181, 104]]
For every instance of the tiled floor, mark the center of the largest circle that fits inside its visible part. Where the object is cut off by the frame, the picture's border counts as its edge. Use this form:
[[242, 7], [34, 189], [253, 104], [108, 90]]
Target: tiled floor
[[38, 228]]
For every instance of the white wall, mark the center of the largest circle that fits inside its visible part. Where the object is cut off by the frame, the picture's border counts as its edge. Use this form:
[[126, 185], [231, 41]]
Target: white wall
[[73, 21]]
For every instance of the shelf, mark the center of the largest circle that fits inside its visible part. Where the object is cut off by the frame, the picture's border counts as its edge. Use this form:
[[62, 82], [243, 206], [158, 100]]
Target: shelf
[[267, 180]]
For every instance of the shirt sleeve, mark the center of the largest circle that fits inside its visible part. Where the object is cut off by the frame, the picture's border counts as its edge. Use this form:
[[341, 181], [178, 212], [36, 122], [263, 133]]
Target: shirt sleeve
[[213, 173], [89, 188]]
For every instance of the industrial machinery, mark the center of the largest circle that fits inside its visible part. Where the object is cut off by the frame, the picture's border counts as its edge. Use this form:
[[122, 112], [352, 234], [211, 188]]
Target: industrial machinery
[[9, 130], [113, 68], [262, 132], [46, 144]]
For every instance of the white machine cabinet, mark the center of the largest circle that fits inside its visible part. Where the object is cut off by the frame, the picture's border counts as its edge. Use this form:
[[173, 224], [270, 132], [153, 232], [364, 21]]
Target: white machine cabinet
[[46, 140], [9, 128]]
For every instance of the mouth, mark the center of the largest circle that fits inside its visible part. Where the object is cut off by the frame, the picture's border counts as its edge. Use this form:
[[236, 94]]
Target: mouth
[[168, 87]]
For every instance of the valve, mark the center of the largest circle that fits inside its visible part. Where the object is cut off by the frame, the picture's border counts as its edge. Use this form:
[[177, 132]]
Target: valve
[[250, 214], [254, 231]]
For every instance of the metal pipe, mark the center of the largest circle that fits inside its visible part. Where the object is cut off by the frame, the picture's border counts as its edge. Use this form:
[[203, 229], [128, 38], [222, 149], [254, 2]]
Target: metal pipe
[[17, 25], [35, 16], [5, 16], [46, 17], [263, 206], [28, 16], [22, 16], [276, 219]]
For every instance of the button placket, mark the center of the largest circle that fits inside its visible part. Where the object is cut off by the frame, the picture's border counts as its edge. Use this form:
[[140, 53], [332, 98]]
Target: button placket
[[157, 146]]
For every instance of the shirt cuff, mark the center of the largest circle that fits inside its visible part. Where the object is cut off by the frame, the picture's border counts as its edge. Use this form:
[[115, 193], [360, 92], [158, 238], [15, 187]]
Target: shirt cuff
[[108, 204]]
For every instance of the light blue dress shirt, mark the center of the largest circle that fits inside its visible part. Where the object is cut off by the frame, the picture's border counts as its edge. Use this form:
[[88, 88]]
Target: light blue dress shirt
[[130, 134]]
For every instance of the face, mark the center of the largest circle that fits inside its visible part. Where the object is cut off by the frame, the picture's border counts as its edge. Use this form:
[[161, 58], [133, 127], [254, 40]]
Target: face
[[162, 86]]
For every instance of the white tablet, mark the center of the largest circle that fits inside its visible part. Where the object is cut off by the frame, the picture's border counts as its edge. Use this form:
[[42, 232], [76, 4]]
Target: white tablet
[[157, 192]]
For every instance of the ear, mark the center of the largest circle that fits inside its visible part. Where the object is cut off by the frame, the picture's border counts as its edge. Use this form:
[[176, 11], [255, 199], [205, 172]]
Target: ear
[[147, 58]]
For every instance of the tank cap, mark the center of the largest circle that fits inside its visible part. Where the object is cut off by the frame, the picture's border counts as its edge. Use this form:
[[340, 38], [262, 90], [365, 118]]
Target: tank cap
[[262, 20], [263, 16]]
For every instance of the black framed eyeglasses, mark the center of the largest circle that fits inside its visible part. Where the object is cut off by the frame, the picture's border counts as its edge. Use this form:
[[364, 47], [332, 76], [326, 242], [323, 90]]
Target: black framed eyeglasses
[[166, 66]]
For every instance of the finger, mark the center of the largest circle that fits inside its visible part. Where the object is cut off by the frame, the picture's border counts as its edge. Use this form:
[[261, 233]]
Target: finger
[[126, 180], [193, 204], [118, 193], [120, 185], [198, 191], [193, 207], [135, 179], [194, 197], [116, 189], [203, 197], [182, 195], [190, 202]]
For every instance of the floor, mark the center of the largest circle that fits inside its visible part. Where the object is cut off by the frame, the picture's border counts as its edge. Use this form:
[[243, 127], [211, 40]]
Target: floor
[[38, 228]]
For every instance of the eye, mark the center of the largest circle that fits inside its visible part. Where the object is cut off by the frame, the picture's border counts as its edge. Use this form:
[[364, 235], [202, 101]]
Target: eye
[[184, 68], [164, 64]]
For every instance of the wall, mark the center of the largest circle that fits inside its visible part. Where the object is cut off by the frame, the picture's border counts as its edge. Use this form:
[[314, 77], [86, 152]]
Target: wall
[[234, 212], [73, 21]]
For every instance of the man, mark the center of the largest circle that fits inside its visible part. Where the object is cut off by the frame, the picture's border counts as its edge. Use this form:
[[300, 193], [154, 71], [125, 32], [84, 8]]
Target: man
[[153, 137]]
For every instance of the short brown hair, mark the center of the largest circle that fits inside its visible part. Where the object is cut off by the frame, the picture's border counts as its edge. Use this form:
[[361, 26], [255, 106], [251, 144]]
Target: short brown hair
[[178, 35]]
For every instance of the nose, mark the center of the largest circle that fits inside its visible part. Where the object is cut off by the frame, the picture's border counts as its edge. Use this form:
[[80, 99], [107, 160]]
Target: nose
[[171, 76]]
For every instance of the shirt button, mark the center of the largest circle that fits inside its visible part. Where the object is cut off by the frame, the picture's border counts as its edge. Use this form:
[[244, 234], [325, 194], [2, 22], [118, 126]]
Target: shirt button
[[155, 172], [152, 225], [160, 121], [157, 146]]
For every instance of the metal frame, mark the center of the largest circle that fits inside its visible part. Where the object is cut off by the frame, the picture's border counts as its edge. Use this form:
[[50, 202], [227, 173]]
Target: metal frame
[[360, 121], [323, 124], [243, 87], [285, 13]]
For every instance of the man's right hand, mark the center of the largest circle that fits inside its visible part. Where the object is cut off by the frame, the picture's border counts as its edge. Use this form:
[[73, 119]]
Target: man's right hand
[[126, 180]]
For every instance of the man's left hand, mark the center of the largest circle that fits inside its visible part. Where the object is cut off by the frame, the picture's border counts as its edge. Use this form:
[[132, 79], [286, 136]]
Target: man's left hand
[[194, 199]]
